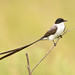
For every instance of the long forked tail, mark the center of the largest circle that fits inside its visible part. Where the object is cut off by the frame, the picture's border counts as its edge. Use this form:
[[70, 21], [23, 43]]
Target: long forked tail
[[11, 52]]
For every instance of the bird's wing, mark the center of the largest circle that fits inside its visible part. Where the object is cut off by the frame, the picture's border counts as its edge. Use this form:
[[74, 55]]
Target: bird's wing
[[51, 31]]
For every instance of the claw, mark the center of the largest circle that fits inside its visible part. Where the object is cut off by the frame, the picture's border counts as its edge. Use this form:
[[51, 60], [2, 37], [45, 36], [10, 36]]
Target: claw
[[60, 36], [54, 44]]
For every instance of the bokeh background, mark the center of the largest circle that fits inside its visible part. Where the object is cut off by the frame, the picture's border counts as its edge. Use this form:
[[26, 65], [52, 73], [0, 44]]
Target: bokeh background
[[24, 21]]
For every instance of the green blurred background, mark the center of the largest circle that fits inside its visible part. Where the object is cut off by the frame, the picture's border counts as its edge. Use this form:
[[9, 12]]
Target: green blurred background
[[24, 21]]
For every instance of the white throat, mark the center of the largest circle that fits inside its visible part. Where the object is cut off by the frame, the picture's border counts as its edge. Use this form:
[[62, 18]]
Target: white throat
[[60, 24]]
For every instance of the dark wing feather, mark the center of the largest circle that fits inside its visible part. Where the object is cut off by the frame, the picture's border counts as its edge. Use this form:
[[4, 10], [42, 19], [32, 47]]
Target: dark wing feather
[[52, 31]]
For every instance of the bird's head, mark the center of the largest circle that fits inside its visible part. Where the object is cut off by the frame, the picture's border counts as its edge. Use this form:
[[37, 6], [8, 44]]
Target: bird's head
[[60, 20]]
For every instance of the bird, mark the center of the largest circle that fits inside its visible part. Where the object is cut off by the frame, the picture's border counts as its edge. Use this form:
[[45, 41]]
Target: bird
[[54, 32]]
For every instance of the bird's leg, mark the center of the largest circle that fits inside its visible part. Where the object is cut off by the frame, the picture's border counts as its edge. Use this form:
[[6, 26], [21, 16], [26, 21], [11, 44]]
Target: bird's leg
[[54, 43], [60, 36]]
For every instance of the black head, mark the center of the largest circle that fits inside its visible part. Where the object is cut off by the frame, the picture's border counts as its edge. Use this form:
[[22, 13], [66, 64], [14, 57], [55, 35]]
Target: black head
[[59, 20]]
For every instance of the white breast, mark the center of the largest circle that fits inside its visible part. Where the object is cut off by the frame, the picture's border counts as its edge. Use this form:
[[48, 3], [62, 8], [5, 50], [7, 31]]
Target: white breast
[[59, 31]]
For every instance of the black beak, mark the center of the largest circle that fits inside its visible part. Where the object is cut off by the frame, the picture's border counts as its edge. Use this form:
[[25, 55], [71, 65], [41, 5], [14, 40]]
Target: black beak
[[65, 20]]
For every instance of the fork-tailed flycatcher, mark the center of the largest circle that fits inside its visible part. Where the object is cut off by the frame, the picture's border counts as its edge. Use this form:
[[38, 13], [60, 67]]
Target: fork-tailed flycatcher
[[54, 32]]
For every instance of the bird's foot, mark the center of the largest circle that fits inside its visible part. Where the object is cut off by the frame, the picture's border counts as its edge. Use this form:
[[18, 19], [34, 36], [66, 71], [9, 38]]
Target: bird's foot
[[54, 44], [60, 36]]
